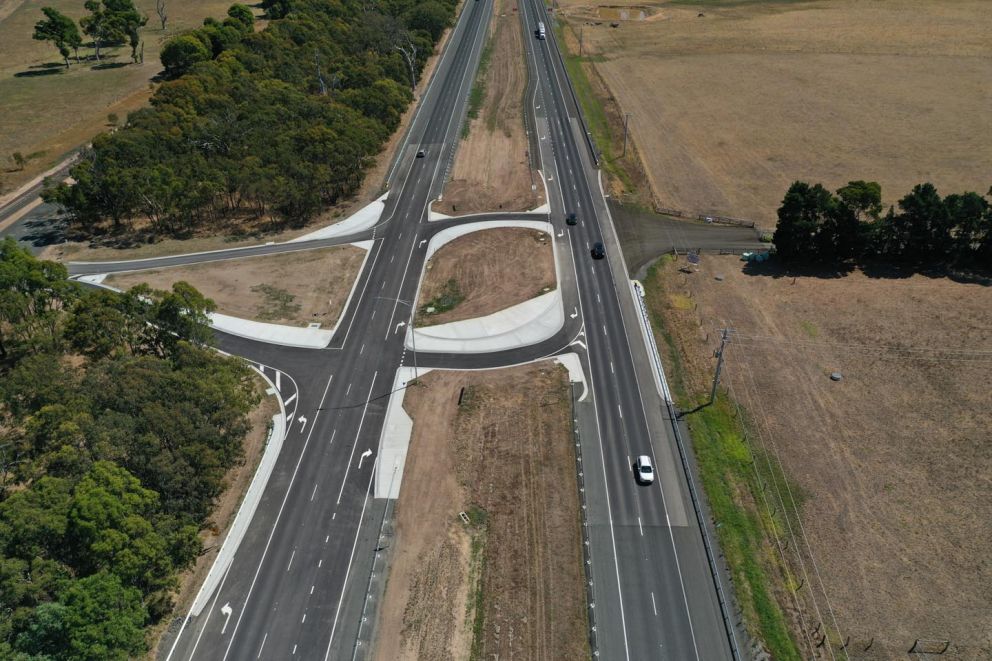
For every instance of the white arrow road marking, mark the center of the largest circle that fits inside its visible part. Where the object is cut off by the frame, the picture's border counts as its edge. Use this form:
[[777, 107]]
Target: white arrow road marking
[[574, 314], [367, 453], [398, 327], [226, 611], [422, 242], [303, 422], [561, 234]]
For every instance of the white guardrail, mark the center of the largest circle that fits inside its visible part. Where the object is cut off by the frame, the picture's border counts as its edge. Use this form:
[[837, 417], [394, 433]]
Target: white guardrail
[[656, 367]]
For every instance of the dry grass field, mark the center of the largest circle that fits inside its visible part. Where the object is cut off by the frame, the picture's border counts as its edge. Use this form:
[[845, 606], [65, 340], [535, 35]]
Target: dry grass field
[[492, 170], [728, 108], [485, 272], [509, 583], [890, 468], [291, 288], [47, 111]]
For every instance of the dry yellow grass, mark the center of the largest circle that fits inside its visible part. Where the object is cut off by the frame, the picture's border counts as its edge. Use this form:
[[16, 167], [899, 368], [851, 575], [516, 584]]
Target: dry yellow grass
[[492, 168], [891, 464], [49, 114], [729, 108]]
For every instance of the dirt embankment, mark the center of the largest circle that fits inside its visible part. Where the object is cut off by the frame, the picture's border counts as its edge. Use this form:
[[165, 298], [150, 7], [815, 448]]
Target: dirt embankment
[[484, 272], [729, 104], [510, 582], [891, 465], [291, 288], [492, 167]]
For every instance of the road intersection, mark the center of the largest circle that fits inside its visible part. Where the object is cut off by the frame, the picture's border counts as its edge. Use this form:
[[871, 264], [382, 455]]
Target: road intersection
[[297, 584]]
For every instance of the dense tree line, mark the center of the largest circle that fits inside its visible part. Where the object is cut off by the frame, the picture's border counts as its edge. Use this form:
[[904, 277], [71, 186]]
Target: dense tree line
[[278, 123], [815, 225], [116, 428]]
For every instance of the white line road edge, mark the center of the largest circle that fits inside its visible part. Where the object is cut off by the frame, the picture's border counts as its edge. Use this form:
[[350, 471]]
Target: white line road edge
[[246, 511]]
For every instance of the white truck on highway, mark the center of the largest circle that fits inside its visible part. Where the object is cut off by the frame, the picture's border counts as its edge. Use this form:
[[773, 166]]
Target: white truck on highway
[[539, 31]]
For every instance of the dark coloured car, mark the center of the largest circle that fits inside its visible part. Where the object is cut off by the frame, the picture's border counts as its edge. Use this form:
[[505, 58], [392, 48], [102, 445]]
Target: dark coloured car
[[421, 153], [571, 219], [598, 250]]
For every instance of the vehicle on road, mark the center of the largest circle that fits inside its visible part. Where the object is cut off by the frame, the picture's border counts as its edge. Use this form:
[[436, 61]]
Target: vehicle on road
[[539, 30], [644, 469], [571, 219], [421, 153], [598, 250]]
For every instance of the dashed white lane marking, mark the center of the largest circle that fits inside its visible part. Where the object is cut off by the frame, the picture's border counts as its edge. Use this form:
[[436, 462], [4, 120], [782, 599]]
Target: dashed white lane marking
[[327, 538], [259, 655], [598, 299], [612, 371], [619, 411], [304, 619], [314, 491], [373, 314], [654, 605], [640, 527], [291, 560], [604, 330], [347, 390], [334, 516], [312, 586], [392, 258], [294, 650], [362, 350]]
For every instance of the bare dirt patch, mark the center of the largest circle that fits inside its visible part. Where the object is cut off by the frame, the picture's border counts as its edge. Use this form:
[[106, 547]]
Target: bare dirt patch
[[729, 108], [492, 168], [295, 288], [891, 465], [237, 480], [485, 272], [510, 584]]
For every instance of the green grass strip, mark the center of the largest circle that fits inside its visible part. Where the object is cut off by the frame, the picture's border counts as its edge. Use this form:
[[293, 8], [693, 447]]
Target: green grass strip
[[592, 109], [726, 468]]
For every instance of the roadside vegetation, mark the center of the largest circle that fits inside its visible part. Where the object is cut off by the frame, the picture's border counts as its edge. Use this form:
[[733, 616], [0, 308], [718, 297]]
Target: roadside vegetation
[[117, 426], [277, 124], [815, 226], [604, 121], [732, 477]]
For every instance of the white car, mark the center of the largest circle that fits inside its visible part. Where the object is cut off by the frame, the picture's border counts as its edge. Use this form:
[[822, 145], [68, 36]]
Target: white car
[[644, 469]]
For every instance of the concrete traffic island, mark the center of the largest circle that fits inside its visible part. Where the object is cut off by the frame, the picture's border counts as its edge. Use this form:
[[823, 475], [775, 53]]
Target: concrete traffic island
[[524, 324], [310, 336]]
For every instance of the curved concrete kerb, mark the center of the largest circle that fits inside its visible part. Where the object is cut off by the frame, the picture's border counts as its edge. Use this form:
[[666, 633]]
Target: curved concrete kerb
[[520, 325], [359, 221], [542, 210]]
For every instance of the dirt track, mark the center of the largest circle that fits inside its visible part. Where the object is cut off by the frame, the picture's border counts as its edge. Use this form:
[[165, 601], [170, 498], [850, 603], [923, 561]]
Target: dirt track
[[492, 170], [891, 465], [505, 456], [491, 270]]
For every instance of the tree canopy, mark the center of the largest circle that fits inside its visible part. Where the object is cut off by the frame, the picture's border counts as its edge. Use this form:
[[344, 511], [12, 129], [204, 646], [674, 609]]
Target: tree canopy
[[61, 31], [817, 226], [276, 124], [117, 426]]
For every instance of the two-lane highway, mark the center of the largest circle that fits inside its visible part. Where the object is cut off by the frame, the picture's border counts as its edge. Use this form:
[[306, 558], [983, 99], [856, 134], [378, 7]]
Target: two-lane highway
[[666, 605]]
